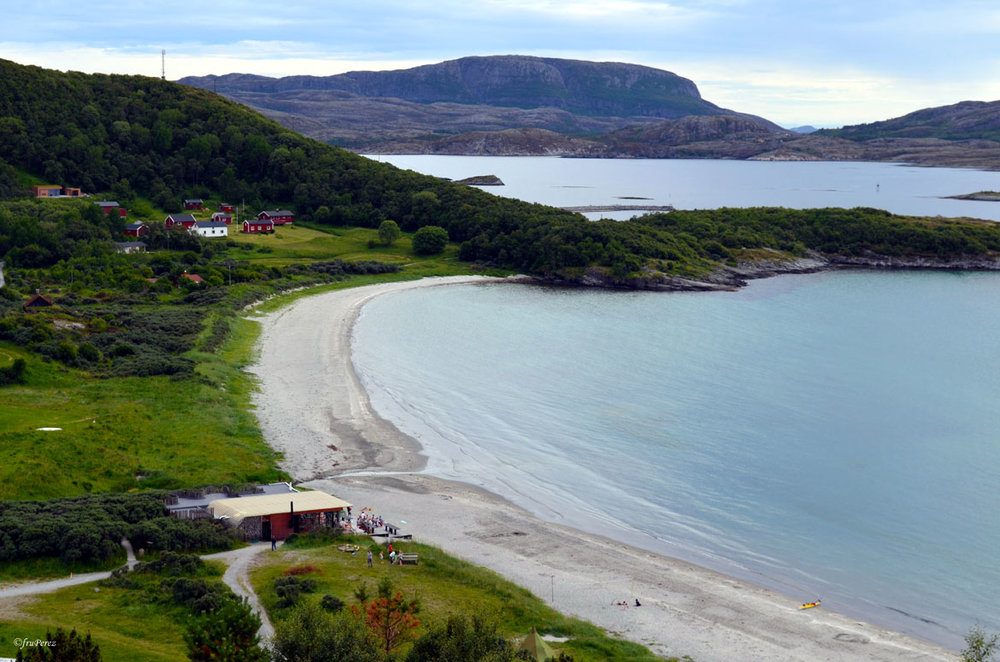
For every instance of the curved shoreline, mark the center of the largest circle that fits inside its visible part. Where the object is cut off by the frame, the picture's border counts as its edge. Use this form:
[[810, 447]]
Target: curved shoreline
[[313, 409]]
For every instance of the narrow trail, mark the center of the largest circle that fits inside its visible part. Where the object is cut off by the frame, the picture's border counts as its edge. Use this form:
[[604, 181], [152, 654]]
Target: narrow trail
[[239, 562]]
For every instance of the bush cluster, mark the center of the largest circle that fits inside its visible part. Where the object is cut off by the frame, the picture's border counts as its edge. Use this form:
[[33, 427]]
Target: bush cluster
[[90, 529]]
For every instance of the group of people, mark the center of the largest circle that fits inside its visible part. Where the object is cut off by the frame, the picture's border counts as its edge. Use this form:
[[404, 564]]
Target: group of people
[[369, 521], [624, 604], [394, 557]]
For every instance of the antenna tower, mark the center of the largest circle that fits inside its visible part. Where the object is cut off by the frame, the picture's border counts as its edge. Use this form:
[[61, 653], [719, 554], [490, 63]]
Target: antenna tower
[[163, 64]]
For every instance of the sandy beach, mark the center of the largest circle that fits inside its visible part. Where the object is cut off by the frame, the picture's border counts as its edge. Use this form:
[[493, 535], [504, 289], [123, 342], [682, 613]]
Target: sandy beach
[[312, 409]]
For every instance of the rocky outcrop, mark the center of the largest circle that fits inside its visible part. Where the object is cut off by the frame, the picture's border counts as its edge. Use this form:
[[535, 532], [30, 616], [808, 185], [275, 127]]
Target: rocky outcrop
[[731, 278], [481, 180]]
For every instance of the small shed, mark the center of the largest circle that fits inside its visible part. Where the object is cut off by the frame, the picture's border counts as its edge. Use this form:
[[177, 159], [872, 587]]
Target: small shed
[[279, 515], [38, 301], [225, 207], [193, 204]]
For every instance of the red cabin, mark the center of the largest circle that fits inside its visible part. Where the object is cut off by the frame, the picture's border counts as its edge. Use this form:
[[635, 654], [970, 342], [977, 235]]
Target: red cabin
[[193, 204], [187, 220], [136, 229], [277, 216], [257, 226]]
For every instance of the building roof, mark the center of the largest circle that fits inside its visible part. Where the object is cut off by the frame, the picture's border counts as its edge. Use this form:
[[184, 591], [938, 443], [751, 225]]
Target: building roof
[[194, 200], [211, 224], [183, 218], [37, 301], [106, 203], [239, 508], [134, 226], [278, 212]]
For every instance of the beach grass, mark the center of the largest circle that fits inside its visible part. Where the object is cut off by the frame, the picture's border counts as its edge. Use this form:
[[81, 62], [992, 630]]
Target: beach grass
[[444, 586]]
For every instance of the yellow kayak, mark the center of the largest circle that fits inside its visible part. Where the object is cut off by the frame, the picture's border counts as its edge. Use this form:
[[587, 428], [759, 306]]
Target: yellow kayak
[[809, 604]]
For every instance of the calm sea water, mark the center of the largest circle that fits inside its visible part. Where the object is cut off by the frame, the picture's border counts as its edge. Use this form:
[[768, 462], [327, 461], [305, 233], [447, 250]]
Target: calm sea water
[[702, 184], [830, 435]]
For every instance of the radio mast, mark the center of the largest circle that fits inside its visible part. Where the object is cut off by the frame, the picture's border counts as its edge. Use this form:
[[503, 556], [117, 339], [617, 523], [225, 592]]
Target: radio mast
[[163, 64]]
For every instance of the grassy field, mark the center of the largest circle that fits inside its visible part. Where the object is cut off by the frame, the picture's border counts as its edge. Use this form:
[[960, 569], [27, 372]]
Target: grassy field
[[121, 434], [306, 243]]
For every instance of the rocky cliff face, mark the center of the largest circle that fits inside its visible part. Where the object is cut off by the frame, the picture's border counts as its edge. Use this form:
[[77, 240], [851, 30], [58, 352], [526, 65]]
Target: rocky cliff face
[[517, 81]]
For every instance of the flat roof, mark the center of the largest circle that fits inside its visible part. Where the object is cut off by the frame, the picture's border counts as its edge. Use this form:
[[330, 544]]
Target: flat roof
[[238, 508]]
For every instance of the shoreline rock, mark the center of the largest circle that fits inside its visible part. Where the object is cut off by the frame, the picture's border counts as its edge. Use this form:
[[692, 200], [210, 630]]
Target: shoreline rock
[[730, 278]]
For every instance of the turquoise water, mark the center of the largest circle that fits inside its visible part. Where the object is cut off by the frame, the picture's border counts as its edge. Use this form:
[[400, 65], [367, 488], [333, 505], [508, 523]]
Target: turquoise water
[[831, 436]]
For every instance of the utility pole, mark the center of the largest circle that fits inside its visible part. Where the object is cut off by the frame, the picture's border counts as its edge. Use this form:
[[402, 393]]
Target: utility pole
[[163, 63]]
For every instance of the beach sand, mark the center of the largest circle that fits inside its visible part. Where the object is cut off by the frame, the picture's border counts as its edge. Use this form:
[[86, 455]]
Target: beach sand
[[312, 409]]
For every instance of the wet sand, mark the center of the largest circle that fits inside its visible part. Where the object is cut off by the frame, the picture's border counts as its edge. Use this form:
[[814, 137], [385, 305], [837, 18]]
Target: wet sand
[[312, 408]]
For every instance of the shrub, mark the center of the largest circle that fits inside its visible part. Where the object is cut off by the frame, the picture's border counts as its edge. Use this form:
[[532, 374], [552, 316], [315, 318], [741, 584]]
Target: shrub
[[331, 603], [430, 240]]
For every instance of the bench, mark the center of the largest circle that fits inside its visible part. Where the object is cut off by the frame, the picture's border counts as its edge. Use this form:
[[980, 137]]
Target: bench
[[408, 558]]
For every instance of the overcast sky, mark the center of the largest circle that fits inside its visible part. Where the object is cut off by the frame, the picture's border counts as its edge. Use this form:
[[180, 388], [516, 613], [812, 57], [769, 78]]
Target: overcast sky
[[792, 61]]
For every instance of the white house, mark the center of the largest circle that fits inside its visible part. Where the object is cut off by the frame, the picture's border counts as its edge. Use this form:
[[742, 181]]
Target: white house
[[210, 229]]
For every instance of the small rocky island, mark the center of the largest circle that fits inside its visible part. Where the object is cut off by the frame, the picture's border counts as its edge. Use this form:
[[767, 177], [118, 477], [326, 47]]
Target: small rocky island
[[987, 196], [482, 180]]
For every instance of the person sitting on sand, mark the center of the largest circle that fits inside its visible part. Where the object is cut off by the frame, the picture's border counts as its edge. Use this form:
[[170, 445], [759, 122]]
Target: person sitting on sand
[[637, 603]]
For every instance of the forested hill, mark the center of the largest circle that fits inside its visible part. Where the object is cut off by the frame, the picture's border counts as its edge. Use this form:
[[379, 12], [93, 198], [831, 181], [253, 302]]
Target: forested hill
[[167, 141]]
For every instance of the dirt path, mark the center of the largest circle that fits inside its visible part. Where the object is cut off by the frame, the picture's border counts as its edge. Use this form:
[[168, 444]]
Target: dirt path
[[237, 577], [239, 562]]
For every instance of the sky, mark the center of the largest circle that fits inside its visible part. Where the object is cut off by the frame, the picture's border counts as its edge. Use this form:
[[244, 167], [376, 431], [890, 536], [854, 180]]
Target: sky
[[794, 62]]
